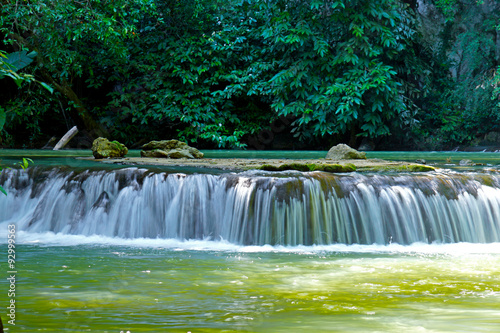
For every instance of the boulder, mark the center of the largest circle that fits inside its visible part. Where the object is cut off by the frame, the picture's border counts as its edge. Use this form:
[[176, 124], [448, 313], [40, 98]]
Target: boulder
[[170, 149], [154, 153], [103, 148], [164, 145], [344, 152], [179, 153]]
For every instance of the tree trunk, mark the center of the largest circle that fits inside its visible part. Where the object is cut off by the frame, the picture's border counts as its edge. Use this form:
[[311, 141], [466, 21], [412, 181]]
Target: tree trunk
[[81, 117], [66, 138]]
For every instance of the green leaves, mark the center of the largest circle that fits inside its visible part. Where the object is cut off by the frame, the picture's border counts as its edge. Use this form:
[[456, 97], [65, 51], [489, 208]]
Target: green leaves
[[19, 60], [227, 71], [218, 72], [24, 164]]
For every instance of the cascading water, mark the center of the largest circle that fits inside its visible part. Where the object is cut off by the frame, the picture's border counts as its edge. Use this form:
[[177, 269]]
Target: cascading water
[[256, 208]]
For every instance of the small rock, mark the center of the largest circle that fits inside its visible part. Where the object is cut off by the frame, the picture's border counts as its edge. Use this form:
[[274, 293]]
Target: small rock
[[103, 148], [344, 152], [466, 163], [421, 161]]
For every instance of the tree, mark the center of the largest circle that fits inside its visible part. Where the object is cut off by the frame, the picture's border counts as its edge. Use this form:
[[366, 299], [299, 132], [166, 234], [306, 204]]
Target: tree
[[329, 64], [74, 41], [462, 39], [10, 64], [175, 76]]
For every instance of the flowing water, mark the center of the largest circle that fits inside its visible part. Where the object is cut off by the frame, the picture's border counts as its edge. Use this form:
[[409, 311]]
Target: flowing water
[[162, 250]]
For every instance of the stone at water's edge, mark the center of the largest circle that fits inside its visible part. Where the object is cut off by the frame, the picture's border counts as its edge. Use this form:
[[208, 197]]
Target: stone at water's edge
[[103, 148], [170, 149], [344, 152]]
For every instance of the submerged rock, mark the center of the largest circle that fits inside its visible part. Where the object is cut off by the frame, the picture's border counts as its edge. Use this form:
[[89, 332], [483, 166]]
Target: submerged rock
[[103, 148], [170, 149], [344, 152]]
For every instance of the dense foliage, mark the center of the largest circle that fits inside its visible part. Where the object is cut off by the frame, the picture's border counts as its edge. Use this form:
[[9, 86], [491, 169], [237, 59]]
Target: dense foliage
[[237, 73]]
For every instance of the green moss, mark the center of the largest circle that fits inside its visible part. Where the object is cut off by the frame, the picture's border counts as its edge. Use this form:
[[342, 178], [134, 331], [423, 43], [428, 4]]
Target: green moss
[[120, 146], [310, 167], [333, 168], [349, 167], [315, 167], [486, 180], [401, 168], [294, 166]]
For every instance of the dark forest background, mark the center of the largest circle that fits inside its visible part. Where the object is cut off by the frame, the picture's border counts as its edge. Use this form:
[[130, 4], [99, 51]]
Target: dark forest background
[[283, 74]]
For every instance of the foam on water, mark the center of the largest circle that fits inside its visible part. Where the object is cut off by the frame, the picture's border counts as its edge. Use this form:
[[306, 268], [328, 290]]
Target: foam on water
[[60, 239]]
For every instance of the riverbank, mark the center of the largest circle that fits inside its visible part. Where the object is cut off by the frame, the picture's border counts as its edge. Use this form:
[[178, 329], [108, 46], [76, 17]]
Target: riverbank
[[243, 164]]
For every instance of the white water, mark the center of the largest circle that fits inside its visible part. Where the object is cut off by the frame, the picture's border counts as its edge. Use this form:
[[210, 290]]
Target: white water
[[135, 206], [60, 239]]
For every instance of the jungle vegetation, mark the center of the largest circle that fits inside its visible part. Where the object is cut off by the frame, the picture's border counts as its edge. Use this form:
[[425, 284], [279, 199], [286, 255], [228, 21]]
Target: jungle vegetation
[[413, 74]]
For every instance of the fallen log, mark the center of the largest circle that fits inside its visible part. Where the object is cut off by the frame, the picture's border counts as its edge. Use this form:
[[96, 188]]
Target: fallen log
[[66, 138]]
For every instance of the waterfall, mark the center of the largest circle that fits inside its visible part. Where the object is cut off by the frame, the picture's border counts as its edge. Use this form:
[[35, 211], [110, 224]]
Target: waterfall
[[256, 208]]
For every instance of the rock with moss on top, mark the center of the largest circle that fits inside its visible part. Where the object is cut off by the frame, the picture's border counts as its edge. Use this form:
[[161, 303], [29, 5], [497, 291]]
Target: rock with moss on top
[[344, 152], [103, 148], [170, 149]]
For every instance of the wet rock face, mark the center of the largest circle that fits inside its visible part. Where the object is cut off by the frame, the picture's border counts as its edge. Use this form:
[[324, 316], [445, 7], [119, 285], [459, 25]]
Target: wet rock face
[[103, 148], [344, 152], [170, 149]]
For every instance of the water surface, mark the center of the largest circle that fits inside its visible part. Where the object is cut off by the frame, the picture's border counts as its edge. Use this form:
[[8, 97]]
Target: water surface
[[113, 285], [97, 283]]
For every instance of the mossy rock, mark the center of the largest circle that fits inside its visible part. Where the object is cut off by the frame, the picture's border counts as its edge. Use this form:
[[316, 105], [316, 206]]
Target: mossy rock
[[294, 166], [170, 149], [310, 167], [344, 152], [349, 167], [154, 153], [103, 148], [335, 167]]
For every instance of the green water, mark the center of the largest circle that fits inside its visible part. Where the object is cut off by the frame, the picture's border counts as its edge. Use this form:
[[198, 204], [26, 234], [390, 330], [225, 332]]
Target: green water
[[89, 284], [73, 158], [102, 288]]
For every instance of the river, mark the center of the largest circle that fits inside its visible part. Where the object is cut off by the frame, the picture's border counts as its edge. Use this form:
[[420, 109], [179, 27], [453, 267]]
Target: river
[[117, 249]]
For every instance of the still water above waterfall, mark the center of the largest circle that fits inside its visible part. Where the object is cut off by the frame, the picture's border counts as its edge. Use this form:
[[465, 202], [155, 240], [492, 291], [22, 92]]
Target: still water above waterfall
[[256, 208]]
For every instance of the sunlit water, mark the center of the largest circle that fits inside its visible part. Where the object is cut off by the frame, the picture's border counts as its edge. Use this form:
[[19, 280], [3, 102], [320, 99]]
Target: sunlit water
[[78, 283]]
